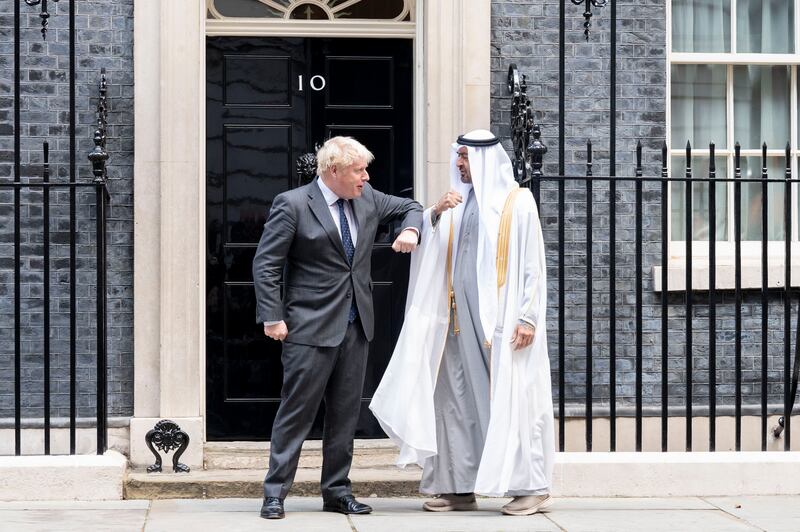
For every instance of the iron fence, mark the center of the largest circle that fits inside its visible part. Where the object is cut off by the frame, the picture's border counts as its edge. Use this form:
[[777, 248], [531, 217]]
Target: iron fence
[[49, 216], [658, 189]]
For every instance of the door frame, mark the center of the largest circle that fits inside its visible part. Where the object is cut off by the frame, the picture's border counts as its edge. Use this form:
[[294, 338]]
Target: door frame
[[451, 95]]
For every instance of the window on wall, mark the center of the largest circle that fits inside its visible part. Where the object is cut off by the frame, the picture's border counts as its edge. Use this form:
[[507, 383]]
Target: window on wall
[[733, 78]]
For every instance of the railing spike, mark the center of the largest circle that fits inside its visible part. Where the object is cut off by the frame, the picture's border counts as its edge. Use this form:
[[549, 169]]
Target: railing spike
[[712, 165]]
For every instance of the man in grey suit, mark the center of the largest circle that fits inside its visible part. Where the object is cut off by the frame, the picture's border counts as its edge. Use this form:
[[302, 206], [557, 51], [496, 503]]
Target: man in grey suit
[[321, 235]]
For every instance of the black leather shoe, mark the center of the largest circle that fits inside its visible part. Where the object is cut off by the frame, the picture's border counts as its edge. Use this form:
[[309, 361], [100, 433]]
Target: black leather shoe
[[347, 504], [272, 508]]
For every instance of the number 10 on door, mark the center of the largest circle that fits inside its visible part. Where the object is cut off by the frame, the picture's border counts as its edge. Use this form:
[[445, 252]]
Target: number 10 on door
[[316, 83]]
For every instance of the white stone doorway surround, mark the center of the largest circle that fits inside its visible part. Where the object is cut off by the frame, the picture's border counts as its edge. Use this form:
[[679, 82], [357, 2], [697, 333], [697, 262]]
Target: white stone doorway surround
[[451, 96]]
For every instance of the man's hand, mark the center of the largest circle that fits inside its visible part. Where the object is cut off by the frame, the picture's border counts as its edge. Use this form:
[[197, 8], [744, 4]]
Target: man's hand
[[448, 201], [406, 242], [523, 336], [277, 331]]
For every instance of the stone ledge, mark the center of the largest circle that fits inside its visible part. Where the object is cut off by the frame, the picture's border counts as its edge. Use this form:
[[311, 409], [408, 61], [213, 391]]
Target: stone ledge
[[78, 477], [623, 474], [630, 474], [248, 483]]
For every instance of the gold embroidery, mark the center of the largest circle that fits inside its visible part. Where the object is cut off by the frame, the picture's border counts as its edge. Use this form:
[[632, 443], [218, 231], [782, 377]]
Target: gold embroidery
[[503, 238], [451, 294]]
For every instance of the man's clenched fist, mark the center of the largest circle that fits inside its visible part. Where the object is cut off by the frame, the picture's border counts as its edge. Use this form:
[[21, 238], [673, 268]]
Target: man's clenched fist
[[406, 242], [277, 331], [448, 201]]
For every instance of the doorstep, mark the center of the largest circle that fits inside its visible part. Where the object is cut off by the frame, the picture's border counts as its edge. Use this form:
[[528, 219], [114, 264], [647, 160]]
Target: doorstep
[[367, 454], [221, 483]]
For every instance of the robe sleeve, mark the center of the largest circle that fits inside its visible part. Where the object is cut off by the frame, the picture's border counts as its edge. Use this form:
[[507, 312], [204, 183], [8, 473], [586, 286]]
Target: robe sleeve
[[433, 217], [533, 265]]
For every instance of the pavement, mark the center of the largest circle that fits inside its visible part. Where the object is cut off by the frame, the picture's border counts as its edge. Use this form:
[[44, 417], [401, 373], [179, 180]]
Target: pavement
[[684, 514]]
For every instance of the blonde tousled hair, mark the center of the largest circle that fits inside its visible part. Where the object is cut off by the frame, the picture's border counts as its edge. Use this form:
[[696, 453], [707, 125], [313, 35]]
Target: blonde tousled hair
[[341, 152]]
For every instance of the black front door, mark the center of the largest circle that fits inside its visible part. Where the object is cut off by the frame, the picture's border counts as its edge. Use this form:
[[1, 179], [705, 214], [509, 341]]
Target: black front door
[[270, 100]]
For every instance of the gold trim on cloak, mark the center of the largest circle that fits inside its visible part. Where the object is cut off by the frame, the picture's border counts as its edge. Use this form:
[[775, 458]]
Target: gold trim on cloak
[[503, 236], [451, 295]]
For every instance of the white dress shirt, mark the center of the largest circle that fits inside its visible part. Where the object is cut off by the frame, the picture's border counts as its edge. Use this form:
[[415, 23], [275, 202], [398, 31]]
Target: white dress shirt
[[331, 198]]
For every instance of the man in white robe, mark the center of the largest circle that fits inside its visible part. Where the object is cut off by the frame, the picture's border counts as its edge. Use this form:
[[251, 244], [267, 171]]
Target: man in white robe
[[467, 393]]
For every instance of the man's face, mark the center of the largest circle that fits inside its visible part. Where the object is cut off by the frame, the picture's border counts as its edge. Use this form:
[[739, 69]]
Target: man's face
[[348, 181], [462, 164]]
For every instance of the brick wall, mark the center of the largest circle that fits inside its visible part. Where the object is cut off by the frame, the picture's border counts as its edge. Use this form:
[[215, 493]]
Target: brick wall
[[104, 38]]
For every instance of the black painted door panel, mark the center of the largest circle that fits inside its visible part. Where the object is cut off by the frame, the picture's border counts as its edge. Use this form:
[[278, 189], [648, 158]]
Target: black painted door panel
[[269, 100]]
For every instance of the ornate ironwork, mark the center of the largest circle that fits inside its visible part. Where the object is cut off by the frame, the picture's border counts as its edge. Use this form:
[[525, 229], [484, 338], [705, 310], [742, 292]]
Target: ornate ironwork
[[99, 155], [537, 149], [317, 9], [306, 166], [44, 15], [588, 13], [522, 126], [167, 436]]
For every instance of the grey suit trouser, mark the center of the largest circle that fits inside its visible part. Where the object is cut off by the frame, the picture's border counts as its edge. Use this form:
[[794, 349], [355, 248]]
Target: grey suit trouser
[[310, 375]]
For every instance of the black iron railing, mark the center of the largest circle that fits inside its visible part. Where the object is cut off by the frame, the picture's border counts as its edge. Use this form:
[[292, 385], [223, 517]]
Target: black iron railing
[[39, 237], [48, 190], [582, 189]]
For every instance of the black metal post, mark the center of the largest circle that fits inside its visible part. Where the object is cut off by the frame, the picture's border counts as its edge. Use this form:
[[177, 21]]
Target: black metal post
[[788, 402], [46, 293], [612, 236], [102, 371], [561, 83], [664, 297], [712, 294], [98, 158], [689, 238], [17, 238], [73, 266], [638, 259], [764, 293], [561, 315], [589, 261], [561, 222], [536, 149], [737, 229]]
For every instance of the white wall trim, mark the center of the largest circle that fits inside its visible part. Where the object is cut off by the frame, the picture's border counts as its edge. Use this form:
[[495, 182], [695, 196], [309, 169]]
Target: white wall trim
[[693, 58], [725, 275]]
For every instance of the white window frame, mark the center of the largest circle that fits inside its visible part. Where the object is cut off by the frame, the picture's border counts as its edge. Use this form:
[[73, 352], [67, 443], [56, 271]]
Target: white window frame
[[751, 250]]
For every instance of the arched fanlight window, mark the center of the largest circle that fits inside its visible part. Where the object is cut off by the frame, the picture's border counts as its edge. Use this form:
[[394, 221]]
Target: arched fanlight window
[[397, 10]]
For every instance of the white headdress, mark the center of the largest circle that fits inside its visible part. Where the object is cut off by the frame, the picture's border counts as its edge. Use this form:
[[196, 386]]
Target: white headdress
[[492, 179]]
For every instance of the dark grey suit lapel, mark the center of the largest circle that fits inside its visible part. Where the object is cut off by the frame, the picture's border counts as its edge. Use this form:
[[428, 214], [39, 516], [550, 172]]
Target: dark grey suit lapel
[[316, 201], [360, 214]]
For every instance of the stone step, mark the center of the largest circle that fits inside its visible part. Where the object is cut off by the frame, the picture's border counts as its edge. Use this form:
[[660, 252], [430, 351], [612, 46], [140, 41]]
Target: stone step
[[219, 483], [367, 454]]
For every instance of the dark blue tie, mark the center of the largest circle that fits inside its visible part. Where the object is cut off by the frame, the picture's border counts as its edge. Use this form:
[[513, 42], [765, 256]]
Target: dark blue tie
[[349, 249]]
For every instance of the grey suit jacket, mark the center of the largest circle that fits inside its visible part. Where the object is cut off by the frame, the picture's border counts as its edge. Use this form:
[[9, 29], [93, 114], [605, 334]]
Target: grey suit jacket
[[301, 236]]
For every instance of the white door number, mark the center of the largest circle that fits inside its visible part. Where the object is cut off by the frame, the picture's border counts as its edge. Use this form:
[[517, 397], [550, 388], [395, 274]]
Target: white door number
[[317, 82]]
